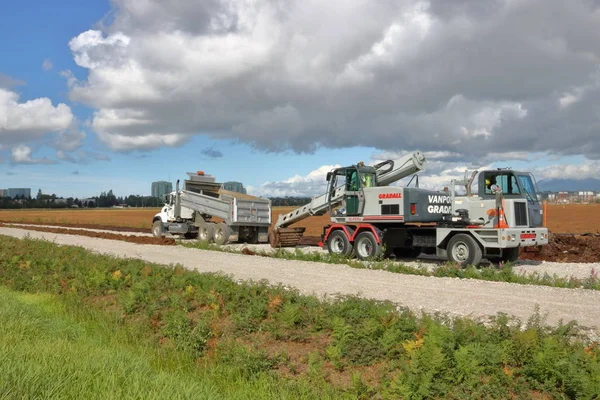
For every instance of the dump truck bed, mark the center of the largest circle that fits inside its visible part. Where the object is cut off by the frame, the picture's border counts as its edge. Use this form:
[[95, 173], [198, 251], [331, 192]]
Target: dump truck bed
[[232, 207]]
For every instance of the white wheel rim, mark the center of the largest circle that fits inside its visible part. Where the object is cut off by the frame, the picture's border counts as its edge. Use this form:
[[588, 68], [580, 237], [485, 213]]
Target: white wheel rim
[[460, 251], [337, 245], [156, 230], [365, 248]]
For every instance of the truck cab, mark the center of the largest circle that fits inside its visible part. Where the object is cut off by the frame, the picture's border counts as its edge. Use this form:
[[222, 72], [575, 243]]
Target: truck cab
[[513, 185]]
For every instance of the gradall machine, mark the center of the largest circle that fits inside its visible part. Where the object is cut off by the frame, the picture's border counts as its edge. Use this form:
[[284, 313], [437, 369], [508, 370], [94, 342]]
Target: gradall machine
[[369, 218]]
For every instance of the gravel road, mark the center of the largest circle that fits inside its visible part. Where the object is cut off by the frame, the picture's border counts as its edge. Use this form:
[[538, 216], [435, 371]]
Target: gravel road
[[473, 298], [565, 270]]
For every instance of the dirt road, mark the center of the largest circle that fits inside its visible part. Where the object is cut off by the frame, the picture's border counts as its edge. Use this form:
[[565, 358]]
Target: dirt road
[[473, 298]]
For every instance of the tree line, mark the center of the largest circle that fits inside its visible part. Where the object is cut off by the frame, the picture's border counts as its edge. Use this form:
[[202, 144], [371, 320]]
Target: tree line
[[105, 199], [109, 199]]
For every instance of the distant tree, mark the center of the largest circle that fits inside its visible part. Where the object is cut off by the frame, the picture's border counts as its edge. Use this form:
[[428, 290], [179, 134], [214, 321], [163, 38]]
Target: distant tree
[[39, 194]]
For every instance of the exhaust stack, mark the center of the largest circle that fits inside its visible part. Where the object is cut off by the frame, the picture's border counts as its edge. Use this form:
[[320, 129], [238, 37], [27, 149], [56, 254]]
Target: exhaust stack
[[177, 201]]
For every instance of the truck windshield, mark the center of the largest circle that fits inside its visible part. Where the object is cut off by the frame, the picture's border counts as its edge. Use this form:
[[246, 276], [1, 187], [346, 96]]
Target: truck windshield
[[529, 188]]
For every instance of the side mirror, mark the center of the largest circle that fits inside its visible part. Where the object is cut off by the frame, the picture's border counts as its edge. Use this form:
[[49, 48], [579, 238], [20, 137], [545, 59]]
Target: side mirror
[[167, 196], [329, 176]]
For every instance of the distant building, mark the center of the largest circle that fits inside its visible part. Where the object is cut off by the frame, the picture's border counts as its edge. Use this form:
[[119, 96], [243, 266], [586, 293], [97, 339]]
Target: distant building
[[14, 192], [161, 188], [232, 186], [3, 192]]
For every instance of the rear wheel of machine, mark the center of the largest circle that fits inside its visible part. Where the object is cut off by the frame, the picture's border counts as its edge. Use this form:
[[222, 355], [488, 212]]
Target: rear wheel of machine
[[206, 231], [253, 236], [403, 252], [463, 249], [338, 243], [157, 229], [222, 233], [366, 246]]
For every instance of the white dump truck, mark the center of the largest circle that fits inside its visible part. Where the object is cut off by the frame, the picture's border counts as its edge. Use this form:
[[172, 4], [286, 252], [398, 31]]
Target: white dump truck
[[203, 209]]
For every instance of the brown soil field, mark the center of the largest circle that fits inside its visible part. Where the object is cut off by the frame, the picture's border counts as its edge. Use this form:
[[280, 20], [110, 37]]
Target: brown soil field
[[140, 218], [573, 218], [568, 218]]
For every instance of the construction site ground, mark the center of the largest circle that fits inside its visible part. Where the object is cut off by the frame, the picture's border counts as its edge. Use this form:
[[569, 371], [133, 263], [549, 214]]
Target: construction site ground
[[574, 228], [474, 298]]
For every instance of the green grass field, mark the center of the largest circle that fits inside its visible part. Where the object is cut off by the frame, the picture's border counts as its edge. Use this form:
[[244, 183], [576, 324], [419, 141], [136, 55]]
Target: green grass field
[[82, 325], [49, 349]]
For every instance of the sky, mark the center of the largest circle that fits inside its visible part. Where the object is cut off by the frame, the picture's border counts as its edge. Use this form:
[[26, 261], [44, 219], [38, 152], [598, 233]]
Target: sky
[[113, 95]]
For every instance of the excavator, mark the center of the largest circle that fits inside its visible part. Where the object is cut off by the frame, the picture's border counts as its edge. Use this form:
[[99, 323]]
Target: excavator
[[370, 218]]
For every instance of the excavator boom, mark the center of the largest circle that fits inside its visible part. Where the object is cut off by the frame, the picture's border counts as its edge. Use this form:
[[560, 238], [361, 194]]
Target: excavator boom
[[388, 172]]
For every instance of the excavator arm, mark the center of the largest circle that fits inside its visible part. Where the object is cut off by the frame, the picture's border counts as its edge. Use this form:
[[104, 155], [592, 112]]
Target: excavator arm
[[388, 172]]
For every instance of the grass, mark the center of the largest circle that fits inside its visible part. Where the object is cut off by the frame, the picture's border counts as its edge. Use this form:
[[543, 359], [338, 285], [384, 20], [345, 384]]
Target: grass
[[103, 318], [496, 273], [50, 348]]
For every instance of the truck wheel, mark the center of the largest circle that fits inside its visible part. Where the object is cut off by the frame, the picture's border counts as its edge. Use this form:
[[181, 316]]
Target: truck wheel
[[463, 249], [206, 231], [366, 246], [157, 229], [510, 254], [222, 233], [253, 237], [338, 243], [403, 252]]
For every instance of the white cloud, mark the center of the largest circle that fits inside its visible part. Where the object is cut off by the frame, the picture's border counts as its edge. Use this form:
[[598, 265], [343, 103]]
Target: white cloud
[[461, 76], [22, 154], [47, 64], [81, 157], [569, 171], [70, 140], [7, 82], [141, 142], [30, 120], [311, 184]]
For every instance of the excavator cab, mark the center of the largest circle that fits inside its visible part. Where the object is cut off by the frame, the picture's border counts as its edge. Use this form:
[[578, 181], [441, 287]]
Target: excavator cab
[[356, 178]]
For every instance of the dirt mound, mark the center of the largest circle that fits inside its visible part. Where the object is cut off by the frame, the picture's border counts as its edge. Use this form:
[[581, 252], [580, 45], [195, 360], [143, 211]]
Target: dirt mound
[[100, 235], [568, 248]]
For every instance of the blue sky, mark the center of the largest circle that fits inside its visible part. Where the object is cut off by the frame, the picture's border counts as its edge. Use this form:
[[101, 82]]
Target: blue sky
[[273, 98], [37, 31]]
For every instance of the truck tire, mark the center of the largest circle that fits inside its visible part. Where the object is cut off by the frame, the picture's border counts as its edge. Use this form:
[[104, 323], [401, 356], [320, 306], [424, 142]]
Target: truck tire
[[222, 233], [366, 246], [464, 249], [253, 236], [338, 243], [157, 229], [206, 231], [510, 254]]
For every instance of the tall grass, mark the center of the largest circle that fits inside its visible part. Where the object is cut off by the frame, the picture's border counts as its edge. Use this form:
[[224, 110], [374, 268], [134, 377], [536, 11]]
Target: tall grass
[[49, 349]]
